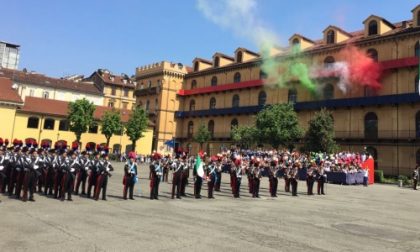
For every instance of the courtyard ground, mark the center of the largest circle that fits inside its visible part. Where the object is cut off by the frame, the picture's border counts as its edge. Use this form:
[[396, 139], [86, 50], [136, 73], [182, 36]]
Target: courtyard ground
[[348, 218]]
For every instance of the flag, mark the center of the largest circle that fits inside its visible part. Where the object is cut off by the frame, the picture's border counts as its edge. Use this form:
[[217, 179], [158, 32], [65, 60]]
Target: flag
[[199, 169]]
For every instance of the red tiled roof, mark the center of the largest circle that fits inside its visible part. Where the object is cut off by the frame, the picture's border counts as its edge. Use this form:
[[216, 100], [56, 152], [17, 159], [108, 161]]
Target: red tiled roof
[[7, 93], [60, 108], [115, 79], [45, 81]]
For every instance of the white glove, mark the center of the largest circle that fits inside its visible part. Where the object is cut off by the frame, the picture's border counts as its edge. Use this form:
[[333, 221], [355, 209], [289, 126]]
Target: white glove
[[1, 167], [72, 170], [36, 167]]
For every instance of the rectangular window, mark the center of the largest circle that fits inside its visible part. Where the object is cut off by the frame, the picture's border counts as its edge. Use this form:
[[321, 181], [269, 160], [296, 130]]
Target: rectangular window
[[45, 94], [64, 125], [49, 123], [94, 128], [110, 104], [31, 92], [113, 91], [126, 92], [33, 122]]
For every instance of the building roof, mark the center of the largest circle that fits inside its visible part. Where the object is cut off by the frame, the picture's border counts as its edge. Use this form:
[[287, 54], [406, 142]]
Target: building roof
[[10, 44], [7, 93], [223, 56], [35, 105], [338, 29], [111, 79], [37, 79], [203, 60], [247, 51]]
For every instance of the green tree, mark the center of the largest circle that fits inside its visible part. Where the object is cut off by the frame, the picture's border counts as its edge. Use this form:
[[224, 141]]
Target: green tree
[[111, 124], [203, 135], [80, 116], [245, 136], [278, 125], [136, 125], [320, 134]]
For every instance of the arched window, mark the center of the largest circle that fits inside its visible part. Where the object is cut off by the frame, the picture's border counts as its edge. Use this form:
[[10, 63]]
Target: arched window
[[417, 49], [416, 84], [372, 53], [371, 126], [330, 37], [328, 61], [418, 18], [328, 92], [292, 95], [237, 77], [147, 105], [193, 84], [196, 66], [234, 123], [262, 98], [372, 28], [192, 105], [49, 123], [190, 131], [239, 57], [210, 128], [216, 62], [295, 41], [33, 122], [235, 101], [214, 81], [263, 75], [212, 103], [418, 125]]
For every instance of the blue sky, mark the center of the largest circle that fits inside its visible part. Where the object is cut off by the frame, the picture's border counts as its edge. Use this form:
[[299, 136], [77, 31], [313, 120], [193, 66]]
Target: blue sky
[[59, 37]]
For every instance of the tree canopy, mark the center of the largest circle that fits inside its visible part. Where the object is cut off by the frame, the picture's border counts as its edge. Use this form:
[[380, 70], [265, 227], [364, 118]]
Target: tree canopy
[[111, 124], [80, 116], [136, 125], [245, 136], [278, 125], [320, 134], [202, 136]]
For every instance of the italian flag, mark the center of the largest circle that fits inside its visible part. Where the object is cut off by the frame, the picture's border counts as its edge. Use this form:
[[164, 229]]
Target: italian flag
[[199, 169]]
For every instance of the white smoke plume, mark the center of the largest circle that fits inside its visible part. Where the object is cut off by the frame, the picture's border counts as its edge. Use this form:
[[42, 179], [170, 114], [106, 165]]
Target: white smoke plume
[[240, 17], [339, 70]]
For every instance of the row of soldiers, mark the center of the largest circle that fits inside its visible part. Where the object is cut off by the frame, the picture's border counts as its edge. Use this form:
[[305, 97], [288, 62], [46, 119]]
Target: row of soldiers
[[58, 173], [284, 166]]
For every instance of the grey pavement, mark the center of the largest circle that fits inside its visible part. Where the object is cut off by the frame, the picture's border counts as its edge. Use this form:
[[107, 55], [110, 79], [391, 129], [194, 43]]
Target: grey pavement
[[348, 218]]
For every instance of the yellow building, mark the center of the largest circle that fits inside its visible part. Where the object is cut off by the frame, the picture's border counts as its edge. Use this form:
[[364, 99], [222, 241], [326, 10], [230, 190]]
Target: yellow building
[[157, 86], [45, 120], [38, 85], [117, 90], [229, 91]]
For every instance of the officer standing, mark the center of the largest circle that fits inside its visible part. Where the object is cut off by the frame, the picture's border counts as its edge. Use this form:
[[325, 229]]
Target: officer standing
[[156, 172], [415, 178], [130, 176]]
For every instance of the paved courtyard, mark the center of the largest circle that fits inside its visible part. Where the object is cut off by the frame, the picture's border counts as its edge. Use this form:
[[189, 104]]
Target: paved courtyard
[[348, 218]]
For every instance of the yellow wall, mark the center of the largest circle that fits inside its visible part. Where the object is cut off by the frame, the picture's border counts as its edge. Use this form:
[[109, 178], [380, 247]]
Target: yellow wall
[[7, 114], [119, 97], [22, 132]]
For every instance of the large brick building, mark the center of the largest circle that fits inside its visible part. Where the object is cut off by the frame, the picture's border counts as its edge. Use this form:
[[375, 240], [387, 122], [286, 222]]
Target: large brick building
[[229, 90]]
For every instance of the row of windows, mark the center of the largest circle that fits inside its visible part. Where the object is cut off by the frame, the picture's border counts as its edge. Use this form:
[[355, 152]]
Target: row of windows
[[372, 30], [126, 92], [210, 127], [236, 79], [262, 99], [147, 105], [49, 124], [370, 126], [216, 63]]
